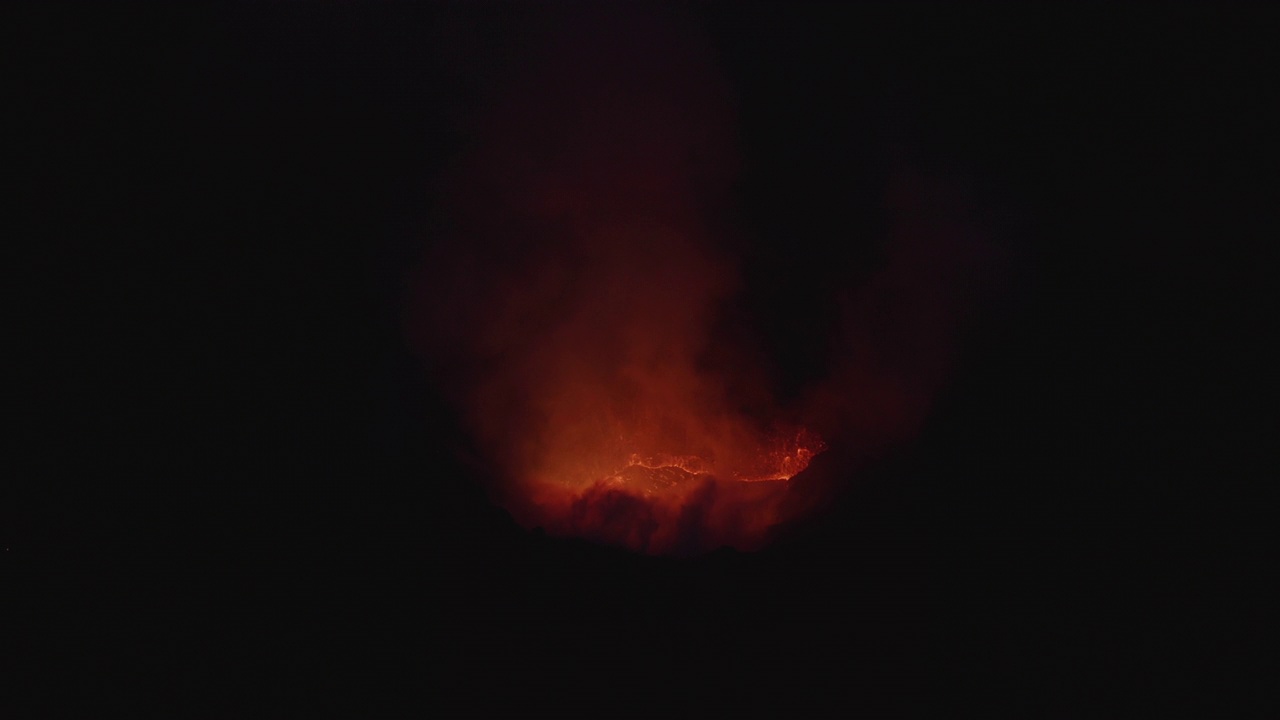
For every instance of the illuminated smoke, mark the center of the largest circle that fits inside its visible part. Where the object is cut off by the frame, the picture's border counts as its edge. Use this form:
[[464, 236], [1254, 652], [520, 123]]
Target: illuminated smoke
[[569, 308]]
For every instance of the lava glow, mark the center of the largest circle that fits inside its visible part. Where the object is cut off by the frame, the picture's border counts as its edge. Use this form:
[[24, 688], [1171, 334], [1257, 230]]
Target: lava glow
[[663, 503], [573, 305]]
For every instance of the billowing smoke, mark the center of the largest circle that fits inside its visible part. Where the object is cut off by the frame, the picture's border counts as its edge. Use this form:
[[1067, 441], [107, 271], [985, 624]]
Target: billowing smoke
[[570, 305]]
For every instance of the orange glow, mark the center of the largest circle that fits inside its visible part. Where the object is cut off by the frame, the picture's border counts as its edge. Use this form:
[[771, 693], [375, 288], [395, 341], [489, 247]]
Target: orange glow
[[573, 316], [573, 307], [662, 503]]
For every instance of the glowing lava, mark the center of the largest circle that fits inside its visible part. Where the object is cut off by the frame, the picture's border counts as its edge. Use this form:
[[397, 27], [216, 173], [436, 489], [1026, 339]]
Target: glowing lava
[[664, 503]]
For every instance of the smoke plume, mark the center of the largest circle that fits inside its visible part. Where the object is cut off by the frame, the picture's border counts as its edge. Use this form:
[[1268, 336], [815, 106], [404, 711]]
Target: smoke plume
[[570, 305]]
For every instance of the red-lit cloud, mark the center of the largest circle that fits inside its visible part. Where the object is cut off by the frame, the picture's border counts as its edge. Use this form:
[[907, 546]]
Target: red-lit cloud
[[571, 305]]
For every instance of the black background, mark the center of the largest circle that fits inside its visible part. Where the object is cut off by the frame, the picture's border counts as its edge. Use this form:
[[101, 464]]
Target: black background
[[247, 496]]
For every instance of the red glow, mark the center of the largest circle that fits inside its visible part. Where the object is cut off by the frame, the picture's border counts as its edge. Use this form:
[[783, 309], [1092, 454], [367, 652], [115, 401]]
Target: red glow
[[661, 503], [571, 308]]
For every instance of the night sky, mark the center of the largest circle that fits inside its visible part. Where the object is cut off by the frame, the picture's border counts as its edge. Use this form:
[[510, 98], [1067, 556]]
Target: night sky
[[250, 493]]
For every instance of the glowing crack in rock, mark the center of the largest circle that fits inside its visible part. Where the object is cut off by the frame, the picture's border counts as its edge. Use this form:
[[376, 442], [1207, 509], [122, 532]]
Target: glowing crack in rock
[[664, 503]]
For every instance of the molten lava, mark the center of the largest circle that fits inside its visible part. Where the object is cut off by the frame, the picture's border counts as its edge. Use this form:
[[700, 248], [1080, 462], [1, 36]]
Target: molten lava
[[665, 503], [661, 471]]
